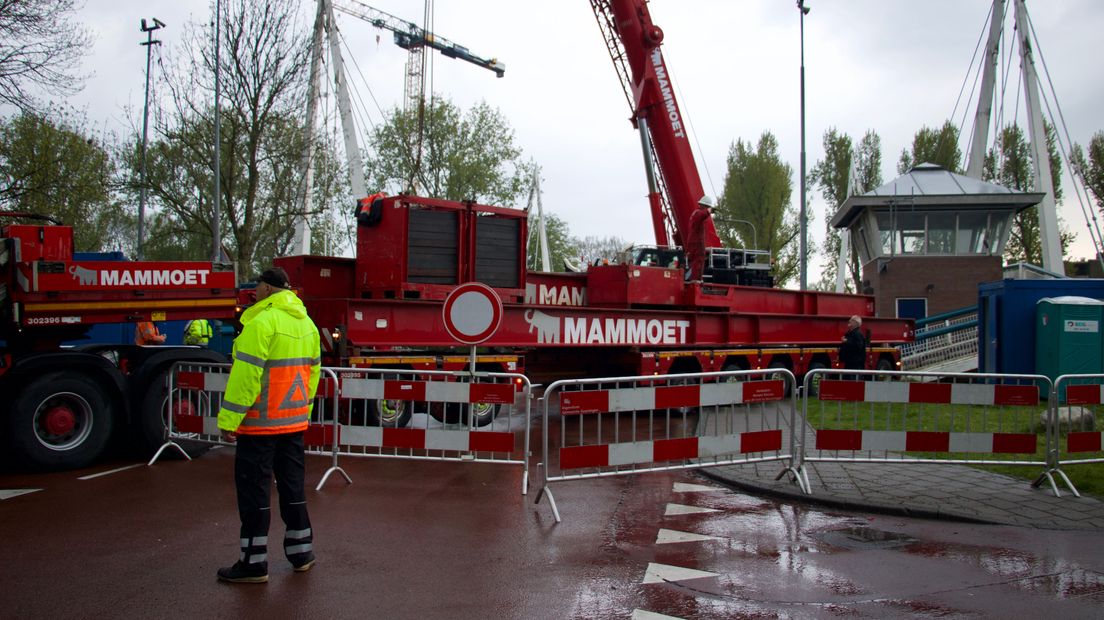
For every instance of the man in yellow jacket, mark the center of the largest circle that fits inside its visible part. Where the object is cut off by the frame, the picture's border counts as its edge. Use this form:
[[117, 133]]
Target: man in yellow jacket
[[266, 410]]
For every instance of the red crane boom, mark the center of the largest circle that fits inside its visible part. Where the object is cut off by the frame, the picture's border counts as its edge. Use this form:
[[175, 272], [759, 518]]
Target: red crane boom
[[634, 43]]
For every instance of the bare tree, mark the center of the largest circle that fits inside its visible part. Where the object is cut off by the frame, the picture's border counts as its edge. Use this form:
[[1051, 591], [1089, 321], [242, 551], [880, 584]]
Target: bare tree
[[40, 46], [263, 65]]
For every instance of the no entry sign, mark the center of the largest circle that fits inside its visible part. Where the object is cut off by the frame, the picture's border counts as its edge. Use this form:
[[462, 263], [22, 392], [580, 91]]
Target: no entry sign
[[472, 313]]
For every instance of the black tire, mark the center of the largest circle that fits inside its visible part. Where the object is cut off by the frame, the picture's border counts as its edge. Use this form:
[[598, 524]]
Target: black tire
[[154, 416], [787, 386], [882, 366], [446, 413], [480, 414], [814, 387], [60, 421], [390, 413]]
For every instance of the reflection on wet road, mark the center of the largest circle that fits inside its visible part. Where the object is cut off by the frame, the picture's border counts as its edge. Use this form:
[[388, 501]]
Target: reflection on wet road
[[706, 552]]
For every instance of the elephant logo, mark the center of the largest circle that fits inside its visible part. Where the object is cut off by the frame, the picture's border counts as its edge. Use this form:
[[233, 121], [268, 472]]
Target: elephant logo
[[85, 277], [547, 326]]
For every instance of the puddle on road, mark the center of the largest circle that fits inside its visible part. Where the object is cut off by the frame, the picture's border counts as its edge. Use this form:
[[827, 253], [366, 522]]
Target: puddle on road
[[864, 538]]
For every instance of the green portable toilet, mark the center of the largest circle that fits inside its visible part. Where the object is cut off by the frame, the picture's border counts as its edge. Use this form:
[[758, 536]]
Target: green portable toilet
[[1068, 336]]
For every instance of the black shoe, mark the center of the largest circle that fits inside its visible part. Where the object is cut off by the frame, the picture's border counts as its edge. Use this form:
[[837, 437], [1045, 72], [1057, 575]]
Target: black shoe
[[303, 565], [241, 572]]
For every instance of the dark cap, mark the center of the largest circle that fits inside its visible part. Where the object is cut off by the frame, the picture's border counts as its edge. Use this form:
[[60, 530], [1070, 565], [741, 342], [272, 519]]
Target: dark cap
[[274, 276]]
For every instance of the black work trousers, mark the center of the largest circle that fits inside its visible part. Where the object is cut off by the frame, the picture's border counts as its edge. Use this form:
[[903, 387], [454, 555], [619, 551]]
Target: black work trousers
[[258, 458]]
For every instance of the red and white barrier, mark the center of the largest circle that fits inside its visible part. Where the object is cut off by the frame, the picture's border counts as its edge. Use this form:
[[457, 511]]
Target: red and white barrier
[[926, 441], [913, 417], [646, 397], [933, 393], [626, 425]]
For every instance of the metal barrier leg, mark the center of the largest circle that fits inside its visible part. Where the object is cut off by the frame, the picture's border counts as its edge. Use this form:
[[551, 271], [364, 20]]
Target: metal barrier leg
[[172, 443], [551, 501], [326, 476], [796, 476], [1048, 475], [1049, 478]]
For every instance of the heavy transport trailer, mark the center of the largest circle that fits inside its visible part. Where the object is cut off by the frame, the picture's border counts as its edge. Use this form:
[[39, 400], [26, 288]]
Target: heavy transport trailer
[[63, 405]]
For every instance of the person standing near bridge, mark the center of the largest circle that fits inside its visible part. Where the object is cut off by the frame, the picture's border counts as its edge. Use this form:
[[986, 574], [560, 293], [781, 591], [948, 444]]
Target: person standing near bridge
[[852, 351], [266, 410]]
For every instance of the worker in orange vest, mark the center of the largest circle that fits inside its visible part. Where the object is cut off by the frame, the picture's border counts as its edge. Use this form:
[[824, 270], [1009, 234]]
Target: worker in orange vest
[[266, 411], [146, 333]]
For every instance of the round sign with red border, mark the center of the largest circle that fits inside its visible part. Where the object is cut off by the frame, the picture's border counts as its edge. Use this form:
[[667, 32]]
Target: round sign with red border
[[472, 313]]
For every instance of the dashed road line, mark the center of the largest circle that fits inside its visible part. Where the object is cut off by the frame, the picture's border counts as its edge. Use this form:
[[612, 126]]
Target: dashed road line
[[661, 573], [641, 614], [111, 471], [682, 487], [674, 510], [667, 537], [10, 493]]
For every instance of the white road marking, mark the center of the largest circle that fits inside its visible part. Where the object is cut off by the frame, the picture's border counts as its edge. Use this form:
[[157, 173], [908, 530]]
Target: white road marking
[[112, 471], [682, 487], [666, 537], [660, 573], [674, 510], [640, 614], [10, 493]]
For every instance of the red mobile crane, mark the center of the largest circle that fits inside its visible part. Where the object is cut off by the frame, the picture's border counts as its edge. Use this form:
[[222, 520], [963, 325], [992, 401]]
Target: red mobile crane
[[384, 308]]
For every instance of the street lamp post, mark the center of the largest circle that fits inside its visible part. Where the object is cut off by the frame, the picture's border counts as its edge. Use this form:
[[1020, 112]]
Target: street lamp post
[[803, 10], [148, 43]]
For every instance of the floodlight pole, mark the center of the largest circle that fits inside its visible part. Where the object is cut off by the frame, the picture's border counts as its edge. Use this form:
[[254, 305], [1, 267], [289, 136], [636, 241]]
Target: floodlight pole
[[803, 10], [148, 43], [216, 202]]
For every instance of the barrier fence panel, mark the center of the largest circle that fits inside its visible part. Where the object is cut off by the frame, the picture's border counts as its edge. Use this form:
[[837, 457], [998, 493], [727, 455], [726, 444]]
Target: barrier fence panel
[[435, 415], [926, 418], [1078, 441], [194, 397], [628, 425]]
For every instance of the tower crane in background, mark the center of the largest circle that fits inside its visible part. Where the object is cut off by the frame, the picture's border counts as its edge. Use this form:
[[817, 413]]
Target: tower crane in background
[[408, 36], [414, 38]]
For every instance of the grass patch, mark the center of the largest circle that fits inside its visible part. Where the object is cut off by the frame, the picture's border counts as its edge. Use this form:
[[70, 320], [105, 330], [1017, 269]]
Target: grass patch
[[1088, 478]]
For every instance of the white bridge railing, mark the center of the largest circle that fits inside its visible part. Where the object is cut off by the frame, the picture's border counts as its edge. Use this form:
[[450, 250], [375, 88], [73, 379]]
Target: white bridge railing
[[944, 343]]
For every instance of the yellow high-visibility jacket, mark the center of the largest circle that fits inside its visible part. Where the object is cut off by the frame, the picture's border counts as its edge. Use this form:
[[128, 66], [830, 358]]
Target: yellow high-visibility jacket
[[198, 332], [277, 362]]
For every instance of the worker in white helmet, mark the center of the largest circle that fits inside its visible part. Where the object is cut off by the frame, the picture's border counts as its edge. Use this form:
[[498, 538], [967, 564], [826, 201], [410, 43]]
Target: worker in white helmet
[[695, 238]]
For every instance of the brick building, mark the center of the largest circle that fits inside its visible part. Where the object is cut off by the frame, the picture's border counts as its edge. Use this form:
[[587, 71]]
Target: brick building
[[926, 239]]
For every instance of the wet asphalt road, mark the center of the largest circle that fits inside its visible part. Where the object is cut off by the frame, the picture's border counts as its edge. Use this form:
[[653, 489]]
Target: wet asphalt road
[[416, 539]]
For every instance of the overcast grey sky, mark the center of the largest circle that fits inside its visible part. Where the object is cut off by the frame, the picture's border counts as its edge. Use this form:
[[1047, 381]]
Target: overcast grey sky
[[892, 66]]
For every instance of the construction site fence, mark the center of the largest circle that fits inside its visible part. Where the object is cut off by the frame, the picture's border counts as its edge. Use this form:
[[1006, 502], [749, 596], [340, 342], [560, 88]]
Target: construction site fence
[[1077, 438], [411, 414], [930, 418], [617, 426]]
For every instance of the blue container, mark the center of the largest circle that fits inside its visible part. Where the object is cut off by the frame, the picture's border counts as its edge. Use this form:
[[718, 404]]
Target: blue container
[[1006, 319]]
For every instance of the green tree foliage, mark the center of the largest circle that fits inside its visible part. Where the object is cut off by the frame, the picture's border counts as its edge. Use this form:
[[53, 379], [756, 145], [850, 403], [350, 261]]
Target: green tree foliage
[[264, 62], [933, 146], [40, 46], [831, 175], [1009, 164], [758, 188], [1092, 167], [466, 156], [48, 166], [561, 245]]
